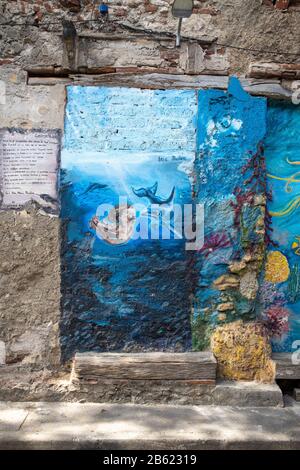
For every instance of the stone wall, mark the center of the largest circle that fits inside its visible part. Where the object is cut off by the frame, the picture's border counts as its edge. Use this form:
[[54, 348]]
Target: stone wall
[[255, 25], [30, 287], [29, 249]]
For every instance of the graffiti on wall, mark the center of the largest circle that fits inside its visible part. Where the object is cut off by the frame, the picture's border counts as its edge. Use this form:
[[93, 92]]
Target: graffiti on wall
[[130, 292], [280, 291]]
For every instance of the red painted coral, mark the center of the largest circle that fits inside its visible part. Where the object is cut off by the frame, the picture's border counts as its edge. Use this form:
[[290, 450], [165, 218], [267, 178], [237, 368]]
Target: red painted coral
[[214, 242], [276, 319]]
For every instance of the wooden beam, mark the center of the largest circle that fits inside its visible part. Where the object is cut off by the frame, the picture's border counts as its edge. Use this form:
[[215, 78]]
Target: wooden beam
[[146, 366], [48, 81], [48, 70], [136, 36], [274, 70], [268, 87]]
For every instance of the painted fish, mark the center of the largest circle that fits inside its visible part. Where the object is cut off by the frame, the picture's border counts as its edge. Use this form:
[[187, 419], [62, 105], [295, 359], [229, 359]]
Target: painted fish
[[296, 246], [292, 162], [150, 193], [93, 187]]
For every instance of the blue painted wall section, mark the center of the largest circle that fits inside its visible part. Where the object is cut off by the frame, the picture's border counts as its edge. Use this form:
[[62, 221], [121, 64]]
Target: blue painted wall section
[[230, 127], [181, 147], [280, 291], [119, 142]]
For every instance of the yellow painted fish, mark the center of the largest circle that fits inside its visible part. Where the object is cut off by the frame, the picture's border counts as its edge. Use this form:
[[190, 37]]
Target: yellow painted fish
[[296, 246], [292, 162]]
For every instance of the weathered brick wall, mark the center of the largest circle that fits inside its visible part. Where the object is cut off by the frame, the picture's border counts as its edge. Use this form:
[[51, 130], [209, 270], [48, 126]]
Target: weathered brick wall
[[255, 25]]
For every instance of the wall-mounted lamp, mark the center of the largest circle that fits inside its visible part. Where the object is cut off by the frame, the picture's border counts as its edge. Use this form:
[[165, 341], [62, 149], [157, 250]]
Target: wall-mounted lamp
[[181, 9]]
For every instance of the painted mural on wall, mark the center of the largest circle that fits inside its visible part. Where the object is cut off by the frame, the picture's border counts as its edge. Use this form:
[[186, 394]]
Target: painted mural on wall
[[126, 293], [280, 291], [231, 185], [162, 148]]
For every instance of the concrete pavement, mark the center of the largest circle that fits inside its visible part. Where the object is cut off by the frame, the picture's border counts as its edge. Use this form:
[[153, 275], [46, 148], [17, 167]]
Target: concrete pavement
[[112, 426]]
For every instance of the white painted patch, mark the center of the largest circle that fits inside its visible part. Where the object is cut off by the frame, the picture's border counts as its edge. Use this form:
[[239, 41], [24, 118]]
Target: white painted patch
[[211, 130], [211, 127], [236, 124]]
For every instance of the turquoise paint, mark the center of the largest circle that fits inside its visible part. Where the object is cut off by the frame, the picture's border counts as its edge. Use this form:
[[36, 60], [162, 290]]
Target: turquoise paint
[[282, 144], [230, 126]]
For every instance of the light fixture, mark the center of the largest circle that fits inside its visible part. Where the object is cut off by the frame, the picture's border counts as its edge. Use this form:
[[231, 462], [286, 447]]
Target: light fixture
[[181, 9]]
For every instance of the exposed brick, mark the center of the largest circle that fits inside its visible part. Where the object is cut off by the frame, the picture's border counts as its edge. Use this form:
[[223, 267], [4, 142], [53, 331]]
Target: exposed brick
[[98, 70], [146, 69], [171, 57], [128, 69], [282, 4], [73, 5], [48, 7], [206, 11], [6, 61], [221, 50], [23, 7], [120, 12], [38, 16], [149, 7]]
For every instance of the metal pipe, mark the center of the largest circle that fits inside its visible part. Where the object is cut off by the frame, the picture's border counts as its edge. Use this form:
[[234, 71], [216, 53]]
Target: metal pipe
[[178, 38]]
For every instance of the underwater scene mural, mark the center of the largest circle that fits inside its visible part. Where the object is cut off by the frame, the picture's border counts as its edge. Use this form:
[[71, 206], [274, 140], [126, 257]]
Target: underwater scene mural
[[125, 147], [132, 161], [280, 291]]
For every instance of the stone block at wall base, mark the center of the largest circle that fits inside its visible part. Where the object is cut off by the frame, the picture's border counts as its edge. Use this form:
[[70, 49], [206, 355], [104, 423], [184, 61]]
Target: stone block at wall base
[[224, 393], [243, 352], [21, 384], [297, 394], [244, 394]]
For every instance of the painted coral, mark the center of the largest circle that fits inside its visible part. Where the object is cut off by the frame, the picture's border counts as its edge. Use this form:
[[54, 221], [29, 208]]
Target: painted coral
[[277, 267], [276, 320], [269, 294], [255, 184], [215, 242]]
